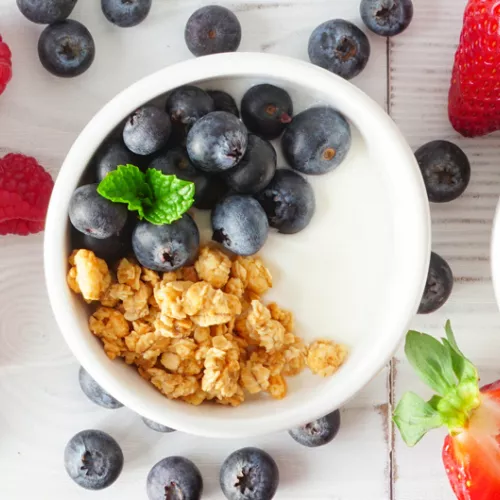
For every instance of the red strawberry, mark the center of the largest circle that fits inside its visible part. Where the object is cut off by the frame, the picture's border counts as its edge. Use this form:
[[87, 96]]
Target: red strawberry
[[474, 98], [5, 65], [471, 451]]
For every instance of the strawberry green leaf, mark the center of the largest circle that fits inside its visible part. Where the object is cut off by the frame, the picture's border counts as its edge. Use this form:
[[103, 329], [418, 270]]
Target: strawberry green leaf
[[414, 418], [127, 184], [463, 368], [172, 197], [443, 367], [431, 360]]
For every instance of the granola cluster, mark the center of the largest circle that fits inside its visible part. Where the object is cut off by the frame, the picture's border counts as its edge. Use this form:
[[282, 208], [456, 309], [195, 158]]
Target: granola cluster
[[201, 333]]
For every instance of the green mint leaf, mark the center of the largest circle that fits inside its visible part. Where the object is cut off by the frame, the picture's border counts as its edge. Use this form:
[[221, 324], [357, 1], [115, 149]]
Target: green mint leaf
[[127, 184], [414, 418], [431, 360], [172, 197]]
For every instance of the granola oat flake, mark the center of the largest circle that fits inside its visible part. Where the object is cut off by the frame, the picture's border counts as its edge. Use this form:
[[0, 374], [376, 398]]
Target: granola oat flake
[[201, 333]]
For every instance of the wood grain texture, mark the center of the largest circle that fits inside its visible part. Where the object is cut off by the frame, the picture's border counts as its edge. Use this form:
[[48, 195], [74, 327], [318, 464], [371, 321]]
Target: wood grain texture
[[41, 403], [420, 67]]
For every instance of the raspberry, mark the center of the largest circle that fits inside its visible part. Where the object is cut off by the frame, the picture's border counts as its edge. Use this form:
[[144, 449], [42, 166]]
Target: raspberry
[[25, 189], [5, 65]]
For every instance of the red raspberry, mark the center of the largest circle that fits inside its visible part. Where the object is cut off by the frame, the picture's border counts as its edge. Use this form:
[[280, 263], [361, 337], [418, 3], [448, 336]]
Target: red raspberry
[[5, 65], [25, 189]]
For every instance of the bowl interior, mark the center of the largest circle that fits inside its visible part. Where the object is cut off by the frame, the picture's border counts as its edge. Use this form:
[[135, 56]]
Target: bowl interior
[[354, 275]]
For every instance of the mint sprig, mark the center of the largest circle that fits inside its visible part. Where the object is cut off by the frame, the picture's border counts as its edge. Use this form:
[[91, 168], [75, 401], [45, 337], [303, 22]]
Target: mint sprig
[[158, 198], [443, 367]]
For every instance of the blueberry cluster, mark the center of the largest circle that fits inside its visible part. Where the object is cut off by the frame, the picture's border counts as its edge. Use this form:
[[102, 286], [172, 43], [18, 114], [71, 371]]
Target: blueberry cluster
[[94, 460], [446, 173], [199, 137], [66, 48]]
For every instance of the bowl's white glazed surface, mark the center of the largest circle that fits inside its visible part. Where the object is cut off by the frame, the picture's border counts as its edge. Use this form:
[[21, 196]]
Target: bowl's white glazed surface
[[355, 275]]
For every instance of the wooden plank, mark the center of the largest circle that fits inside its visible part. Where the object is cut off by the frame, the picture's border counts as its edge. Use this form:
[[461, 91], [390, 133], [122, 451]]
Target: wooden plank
[[42, 406], [420, 65]]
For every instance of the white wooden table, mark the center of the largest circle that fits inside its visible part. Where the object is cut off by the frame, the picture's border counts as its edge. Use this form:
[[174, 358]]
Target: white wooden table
[[41, 405]]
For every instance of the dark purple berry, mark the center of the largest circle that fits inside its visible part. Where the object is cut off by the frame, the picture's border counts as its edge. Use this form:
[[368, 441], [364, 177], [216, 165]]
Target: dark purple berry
[[111, 154], [95, 392], [340, 47], [147, 130], [174, 478], [157, 427], [168, 247], [188, 104], [94, 215], [445, 169], [224, 102], [66, 48], [256, 169], [266, 110], [386, 17], [240, 224], [288, 201], [217, 142], [438, 287], [317, 141], [176, 162], [319, 432], [93, 459], [46, 11], [126, 13], [211, 30], [249, 474]]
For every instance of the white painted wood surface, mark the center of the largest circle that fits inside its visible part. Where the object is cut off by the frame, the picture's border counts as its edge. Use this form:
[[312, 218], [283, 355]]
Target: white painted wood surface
[[41, 405]]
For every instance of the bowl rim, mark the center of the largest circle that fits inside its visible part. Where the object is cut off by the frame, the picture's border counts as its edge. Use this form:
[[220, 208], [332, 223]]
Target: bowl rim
[[416, 238]]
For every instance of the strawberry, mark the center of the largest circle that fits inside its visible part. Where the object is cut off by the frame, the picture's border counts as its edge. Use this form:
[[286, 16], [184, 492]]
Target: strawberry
[[471, 451], [474, 100]]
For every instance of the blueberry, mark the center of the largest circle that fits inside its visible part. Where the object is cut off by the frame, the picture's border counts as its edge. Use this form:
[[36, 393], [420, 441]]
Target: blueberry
[[266, 110], [256, 169], [316, 141], [188, 104], [111, 154], [386, 17], [156, 427], [288, 202], [176, 162], [46, 11], [224, 102], [126, 13], [147, 130], [110, 249], [95, 392], [318, 432], [168, 247], [94, 215], [66, 48], [249, 474], [445, 169], [217, 142], [340, 47], [211, 30], [93, 459], [215, 190], [175, 478], [438, 287], [240, 224]]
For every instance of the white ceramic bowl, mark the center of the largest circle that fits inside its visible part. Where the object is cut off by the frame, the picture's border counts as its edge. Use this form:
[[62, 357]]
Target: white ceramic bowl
[[495, 254], [356, 274]]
